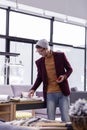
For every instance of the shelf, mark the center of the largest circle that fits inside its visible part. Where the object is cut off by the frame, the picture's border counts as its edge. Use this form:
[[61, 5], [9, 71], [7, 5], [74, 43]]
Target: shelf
[[9, 54], [7, 112]]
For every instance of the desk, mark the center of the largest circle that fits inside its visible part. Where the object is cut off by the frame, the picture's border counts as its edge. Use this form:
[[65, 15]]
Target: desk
[[8, 110], [28, 105]]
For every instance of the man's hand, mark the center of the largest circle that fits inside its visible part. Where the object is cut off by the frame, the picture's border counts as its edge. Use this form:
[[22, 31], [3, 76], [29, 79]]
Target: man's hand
[[31, 93], [61, 78]]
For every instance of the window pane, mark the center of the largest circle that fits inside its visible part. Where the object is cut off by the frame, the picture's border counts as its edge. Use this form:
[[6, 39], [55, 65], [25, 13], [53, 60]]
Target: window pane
[[2, 61], [36, 56], [2, 21], [69, 34], [76, 59], [20, 66], [86, 62], [29, 26]]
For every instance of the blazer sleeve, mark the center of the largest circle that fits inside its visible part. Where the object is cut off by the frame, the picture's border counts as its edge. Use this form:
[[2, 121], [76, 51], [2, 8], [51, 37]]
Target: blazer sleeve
[[38, 78], [67, 66]]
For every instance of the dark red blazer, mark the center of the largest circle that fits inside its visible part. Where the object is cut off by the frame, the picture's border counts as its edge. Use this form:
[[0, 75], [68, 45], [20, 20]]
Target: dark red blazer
[[62, 67]]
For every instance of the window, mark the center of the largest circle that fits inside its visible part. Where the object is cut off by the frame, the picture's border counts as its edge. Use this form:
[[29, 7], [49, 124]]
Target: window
[[35, 28], [69, 34], [2, 61], [73, 35], [27, 26], [20, 66], [2, 21]]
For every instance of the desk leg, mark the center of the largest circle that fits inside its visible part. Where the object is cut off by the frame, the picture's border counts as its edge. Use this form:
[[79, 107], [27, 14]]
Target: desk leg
[[33, 112], [14, 111]]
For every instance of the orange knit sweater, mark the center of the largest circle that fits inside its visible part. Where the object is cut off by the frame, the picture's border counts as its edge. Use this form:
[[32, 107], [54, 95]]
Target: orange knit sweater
[[51, 74]]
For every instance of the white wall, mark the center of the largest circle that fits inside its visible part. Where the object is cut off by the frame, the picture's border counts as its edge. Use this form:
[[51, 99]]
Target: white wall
[[75, 8]]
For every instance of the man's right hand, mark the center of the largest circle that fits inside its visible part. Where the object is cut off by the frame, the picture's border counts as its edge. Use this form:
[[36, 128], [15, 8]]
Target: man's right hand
[[31, 93]]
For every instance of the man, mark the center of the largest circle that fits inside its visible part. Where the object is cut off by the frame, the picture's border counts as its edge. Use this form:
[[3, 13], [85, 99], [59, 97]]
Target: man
[[53, 70]]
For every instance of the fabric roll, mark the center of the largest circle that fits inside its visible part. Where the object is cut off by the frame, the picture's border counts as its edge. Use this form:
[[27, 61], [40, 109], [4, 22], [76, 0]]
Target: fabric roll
[[4, 98]]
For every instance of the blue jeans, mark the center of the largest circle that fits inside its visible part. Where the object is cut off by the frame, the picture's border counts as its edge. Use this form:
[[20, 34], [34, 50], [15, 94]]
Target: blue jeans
[[58, 99]]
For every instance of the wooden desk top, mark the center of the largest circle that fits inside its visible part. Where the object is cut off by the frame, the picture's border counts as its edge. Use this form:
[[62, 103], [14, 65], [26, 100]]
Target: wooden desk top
[[29, 102], [5, 103], [26, 104]]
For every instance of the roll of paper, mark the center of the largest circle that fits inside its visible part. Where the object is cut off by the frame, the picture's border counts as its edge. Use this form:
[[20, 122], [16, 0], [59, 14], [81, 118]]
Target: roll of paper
[[4, 97]]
